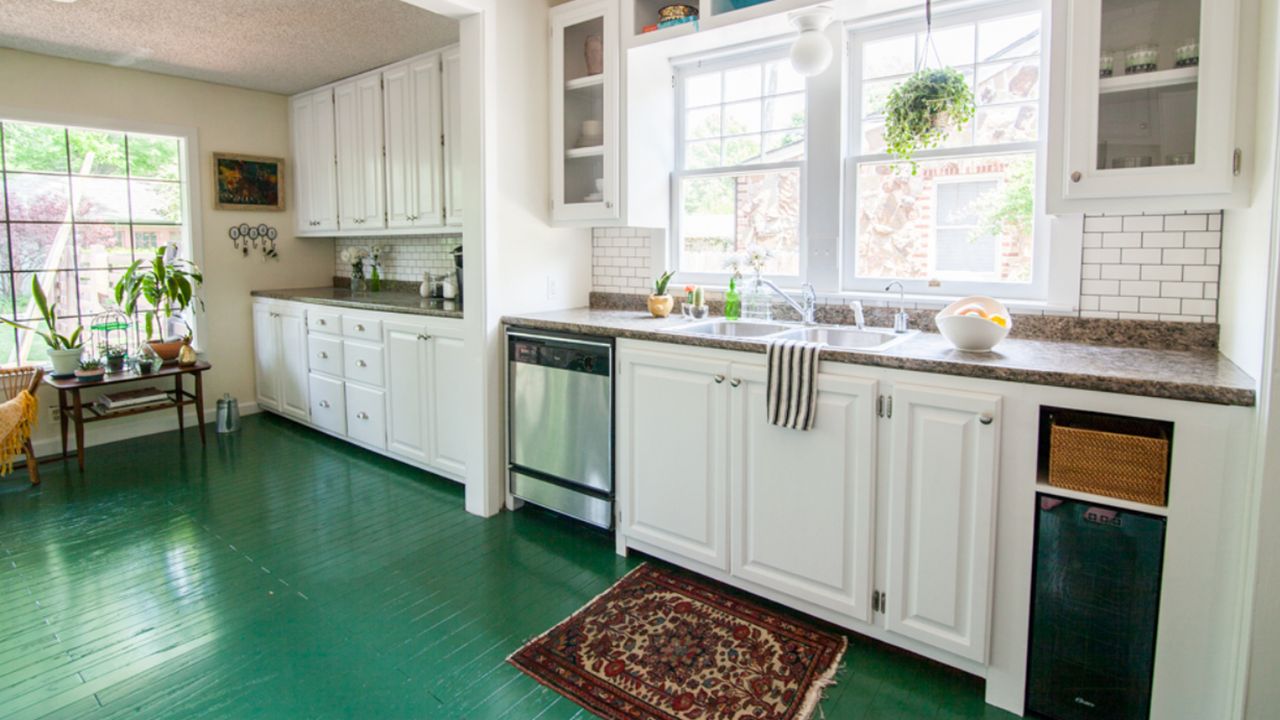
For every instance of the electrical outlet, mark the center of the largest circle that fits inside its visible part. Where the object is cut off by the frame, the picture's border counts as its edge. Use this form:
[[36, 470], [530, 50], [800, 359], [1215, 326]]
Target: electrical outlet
[[55, 414], [553, 288]]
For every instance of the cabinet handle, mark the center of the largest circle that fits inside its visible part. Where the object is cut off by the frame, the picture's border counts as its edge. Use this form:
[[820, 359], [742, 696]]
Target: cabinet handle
[[423, 337], [321, 322], [324, 403], [609, 204], [324, 355], [359, 328], [735, 382], [986, 418], [719, 379], [361, 363], [1075, 176], [362, 415]]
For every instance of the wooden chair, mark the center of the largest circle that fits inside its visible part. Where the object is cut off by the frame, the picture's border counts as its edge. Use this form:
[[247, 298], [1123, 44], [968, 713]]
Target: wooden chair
[[13, 381]]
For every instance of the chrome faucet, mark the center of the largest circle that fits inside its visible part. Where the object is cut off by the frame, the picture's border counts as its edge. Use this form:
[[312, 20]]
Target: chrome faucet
[[859, 319], [901, 320], [810, 307]]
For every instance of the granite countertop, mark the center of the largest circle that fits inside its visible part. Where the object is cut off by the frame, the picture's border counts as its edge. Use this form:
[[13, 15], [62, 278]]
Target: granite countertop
[[1193, 375], [383, 301]]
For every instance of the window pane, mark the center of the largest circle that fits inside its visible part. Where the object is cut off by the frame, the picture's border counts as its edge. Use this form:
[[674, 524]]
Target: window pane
[[154, 157], [742, 83], [875, 94], [1009, 38], [156, 202], [1007, 124], [702, 90], [949, 220], [97, 290], [721, 216], [146, 238], [873, 136], [704, 123], [780, 77], [59, 288], [784, 146], [32, 348], [892, 56], [97, 152], [103, 246], [37, 197], [702, 155], [41, 246], [8, 344], [742, 118], [101, 199], [28, 146], [1008, 82], [952, 46], [785, 112], [742, 150]]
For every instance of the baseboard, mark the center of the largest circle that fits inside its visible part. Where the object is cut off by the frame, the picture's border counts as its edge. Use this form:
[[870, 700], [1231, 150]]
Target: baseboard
[[135, 426]]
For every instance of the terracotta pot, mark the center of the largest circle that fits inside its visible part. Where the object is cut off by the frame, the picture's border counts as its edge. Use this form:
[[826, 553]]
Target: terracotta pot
[[168, 351], [660, 305]]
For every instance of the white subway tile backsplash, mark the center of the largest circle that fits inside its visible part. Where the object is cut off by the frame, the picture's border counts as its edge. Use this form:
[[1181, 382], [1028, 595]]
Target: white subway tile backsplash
[[1139, 288], [1143, 223], [1159, 239], [1204, 239], [405, 258], [1120, 272], [1101, 255], [1186, 223], [1119, 304], [1200, 273], [1184, 256], [1182, 290], [1124, 240], [1140, 256], [1161, 272], [1160, 305], [1101, 224]]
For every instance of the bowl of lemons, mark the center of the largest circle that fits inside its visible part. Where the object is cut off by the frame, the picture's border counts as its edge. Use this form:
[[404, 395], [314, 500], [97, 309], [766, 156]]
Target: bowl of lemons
[[975, 324]]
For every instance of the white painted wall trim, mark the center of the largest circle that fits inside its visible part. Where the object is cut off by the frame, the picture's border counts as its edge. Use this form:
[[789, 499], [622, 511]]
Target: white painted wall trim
[[129, 428]]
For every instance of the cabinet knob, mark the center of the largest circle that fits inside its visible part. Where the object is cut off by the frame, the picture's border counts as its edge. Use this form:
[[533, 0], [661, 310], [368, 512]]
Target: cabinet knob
[[735, 382], [321, 322], [719, 379], [609, 204], [361, 363], [986, 418], [362, 415], [324, 403], [1075, 176], [359, 328], [324, 355]]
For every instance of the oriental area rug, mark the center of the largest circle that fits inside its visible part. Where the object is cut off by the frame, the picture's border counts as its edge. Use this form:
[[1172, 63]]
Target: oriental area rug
[[664, 645]]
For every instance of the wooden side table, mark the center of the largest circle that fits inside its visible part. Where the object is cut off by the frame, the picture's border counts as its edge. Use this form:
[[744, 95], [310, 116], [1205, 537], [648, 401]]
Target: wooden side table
[[72, 410]]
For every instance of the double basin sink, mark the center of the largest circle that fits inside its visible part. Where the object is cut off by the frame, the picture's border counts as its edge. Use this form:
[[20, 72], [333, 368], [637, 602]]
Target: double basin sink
[[845, 338]]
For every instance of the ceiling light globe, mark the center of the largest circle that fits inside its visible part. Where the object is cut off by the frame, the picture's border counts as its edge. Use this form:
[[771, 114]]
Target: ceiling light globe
[[811, 53]]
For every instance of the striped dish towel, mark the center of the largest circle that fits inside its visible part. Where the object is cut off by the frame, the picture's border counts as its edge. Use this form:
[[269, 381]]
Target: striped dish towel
[[793, 383]]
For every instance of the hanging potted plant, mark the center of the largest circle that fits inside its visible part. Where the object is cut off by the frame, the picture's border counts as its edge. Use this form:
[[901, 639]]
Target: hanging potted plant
[[922, 110], [64, 350], [168, 284]]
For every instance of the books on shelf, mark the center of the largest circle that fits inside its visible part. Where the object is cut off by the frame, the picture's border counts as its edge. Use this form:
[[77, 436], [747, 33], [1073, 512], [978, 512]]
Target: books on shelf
[[131, 398]]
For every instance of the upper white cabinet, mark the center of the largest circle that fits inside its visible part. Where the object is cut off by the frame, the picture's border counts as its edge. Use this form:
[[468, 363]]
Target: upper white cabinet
[[357, 108], [411, 98], [585, 140], [315, 196], [452, 94], [942, 491], [1146, 105]]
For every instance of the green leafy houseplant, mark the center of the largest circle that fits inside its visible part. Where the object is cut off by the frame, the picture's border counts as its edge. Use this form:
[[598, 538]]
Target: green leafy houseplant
[[168, 285], [921, 111], [660, 303], [64, 350], [660, 284]]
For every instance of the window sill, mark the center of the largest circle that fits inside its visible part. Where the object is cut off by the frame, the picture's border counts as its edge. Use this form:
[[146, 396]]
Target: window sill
[[921, 302]]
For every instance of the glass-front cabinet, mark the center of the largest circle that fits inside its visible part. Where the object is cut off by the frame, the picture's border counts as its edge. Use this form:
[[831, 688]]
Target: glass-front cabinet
[[1148, 101], [584, 111]]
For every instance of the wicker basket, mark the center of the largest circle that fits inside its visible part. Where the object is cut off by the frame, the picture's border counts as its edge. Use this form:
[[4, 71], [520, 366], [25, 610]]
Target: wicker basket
[[1119, 465]]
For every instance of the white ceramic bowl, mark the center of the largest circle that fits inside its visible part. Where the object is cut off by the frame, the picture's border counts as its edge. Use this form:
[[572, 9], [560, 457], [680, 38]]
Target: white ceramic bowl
[[970, 332]]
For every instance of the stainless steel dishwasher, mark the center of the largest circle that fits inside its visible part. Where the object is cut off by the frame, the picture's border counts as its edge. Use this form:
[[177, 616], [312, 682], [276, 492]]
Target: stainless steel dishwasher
[[560, 423]]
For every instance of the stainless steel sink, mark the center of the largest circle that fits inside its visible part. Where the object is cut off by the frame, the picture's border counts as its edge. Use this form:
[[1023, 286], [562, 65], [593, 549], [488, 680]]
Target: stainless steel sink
[[738, 328], [870, 339]]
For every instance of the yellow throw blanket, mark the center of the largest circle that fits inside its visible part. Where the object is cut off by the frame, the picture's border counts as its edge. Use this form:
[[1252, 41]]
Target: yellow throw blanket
[[17, 419]]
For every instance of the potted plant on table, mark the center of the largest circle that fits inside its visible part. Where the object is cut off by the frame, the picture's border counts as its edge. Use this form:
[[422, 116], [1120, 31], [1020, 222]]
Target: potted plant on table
[[660, 303], [921, 111], [90, 370], [168, 284], [114, 356], [64, 350]]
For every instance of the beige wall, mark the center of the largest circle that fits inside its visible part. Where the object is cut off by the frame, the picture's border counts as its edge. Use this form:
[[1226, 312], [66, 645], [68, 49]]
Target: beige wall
[[227, 120]]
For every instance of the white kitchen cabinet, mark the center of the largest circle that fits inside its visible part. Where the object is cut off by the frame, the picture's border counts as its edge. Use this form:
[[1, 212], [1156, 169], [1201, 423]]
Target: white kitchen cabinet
[[315, 183], [803, 503], [451, 93], [585, 110], [411, 101], [358, 123], [1160, 131], [942, 489], [425, 399], [280, 358], [672, 461]]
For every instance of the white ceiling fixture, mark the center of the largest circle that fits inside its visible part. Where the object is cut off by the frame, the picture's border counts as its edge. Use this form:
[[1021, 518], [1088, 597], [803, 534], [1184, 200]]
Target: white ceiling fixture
[[811, 51], [281, 46]]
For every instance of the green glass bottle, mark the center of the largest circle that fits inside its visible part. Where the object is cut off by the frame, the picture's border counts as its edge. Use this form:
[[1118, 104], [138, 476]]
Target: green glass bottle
[[375, 281], [732, 301]]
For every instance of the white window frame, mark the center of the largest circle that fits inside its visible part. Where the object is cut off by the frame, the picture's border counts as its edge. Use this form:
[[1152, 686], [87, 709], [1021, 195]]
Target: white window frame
[[189, 174], [1056, 258], [681, 70]]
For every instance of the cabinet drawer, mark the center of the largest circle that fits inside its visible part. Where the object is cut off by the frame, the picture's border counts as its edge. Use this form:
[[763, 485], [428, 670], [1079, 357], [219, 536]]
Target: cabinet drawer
[[325, 321], [364, 329], [325, 354], [367, 416], [362, 362], [328, 404]]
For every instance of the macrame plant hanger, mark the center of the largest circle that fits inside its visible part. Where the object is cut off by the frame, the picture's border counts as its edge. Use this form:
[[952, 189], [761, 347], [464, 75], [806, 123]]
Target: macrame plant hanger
[[922, 60]]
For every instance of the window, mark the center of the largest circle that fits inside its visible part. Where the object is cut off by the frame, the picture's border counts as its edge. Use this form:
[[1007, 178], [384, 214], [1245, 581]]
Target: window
[[967, 220], [740, 163], [79, 205]]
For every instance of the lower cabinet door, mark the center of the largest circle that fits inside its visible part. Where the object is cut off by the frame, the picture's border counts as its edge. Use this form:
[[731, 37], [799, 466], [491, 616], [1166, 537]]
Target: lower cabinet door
[[266, 356], [802, 502], [942, 490], [672, 453], [366, 416], [407, 406], [448, 441], [293, 361], [328, 404]]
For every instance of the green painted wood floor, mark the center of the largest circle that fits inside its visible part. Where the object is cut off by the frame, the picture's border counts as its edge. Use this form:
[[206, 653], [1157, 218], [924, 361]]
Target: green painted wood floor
[[283, 574]]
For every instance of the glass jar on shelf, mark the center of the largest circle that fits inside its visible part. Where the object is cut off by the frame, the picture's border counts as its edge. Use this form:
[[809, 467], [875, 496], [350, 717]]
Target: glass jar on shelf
[[1187, 54], [1106, 65], [1141, 59]]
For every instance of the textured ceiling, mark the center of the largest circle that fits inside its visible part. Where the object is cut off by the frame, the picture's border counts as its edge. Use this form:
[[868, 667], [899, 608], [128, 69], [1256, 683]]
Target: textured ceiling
[[282, 46]]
